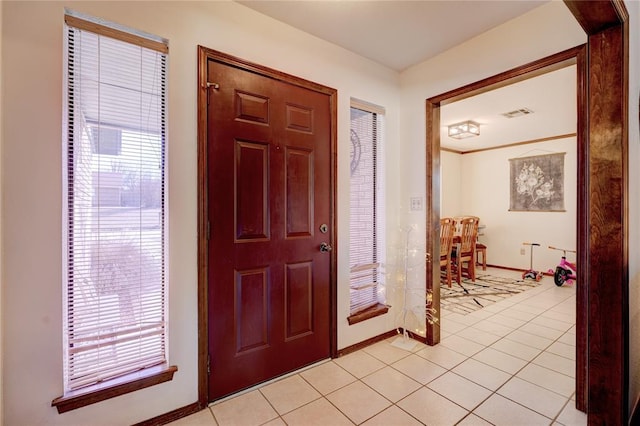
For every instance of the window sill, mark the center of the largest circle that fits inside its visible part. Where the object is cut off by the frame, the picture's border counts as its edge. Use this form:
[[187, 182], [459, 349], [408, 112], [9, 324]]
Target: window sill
[[368, 313], [116, 387]]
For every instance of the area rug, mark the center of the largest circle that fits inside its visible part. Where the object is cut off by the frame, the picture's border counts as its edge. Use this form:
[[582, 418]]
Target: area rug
[[487, 289]]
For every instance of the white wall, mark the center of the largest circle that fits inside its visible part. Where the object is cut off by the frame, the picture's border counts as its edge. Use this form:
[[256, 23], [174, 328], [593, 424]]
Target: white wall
[[32, 37], [450, 184], [1, 278], [634, 203], [485, 193]]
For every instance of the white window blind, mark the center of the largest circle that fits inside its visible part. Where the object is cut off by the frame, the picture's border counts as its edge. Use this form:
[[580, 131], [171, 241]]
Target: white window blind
[[115, 276], [366, 284]]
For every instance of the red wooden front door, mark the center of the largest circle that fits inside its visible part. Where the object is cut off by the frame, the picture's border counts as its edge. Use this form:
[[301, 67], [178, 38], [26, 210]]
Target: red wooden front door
[[270, 210]]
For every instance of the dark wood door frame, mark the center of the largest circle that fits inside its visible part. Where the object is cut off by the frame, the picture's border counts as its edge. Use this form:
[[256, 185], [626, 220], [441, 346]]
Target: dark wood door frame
[[604, 226], [568, 57], [603, 294], [204, 55]]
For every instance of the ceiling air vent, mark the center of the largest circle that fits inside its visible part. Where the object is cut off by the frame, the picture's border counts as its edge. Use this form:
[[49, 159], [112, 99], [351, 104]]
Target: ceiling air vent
[[517, 113]]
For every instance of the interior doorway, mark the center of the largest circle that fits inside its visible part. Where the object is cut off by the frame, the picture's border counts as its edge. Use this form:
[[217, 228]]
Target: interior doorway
[[532, 121], [545, 65], [603, 298]]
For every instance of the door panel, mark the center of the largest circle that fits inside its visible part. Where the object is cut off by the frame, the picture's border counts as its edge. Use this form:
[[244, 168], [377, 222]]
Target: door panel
[[299, 192], [269, 190], [299, 300], [251, 174], [252, 310]]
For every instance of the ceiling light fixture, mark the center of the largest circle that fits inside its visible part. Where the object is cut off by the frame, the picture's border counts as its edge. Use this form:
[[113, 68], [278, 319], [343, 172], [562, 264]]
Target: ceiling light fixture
[[466, 129]]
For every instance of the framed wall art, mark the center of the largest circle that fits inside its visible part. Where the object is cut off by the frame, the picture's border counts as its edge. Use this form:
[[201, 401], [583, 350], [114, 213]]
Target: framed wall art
[[537, 183]]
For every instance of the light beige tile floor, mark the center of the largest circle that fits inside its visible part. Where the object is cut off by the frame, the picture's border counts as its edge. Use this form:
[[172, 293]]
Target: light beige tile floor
[[510, 363]]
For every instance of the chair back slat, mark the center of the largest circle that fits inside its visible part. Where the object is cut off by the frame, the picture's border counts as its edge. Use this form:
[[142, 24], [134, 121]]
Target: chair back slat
[[447, 229], [468, 233]]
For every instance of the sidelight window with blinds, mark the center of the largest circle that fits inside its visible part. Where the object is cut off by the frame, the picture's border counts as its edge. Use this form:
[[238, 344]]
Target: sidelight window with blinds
[[366, 284], [115, 277]]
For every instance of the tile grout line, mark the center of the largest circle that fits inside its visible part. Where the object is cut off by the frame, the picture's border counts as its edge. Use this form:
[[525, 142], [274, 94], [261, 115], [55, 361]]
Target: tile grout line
[[528, 362], [540, 292]]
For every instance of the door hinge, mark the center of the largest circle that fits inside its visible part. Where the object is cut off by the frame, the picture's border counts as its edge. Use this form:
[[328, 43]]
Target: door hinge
[[208, 364], [208, 231]]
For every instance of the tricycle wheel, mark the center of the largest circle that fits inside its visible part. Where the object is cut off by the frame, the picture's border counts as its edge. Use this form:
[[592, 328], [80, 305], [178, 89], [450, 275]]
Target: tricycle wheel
[[560, 276]]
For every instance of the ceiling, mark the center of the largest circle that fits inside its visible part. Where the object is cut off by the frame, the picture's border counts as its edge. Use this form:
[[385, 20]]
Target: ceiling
[[551, 97], [376, 29], [399, 34]]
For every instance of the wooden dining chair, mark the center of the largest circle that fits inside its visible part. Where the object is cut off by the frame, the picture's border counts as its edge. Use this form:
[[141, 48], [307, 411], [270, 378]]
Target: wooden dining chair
[[481, 249], [447, 230], [466, 251]]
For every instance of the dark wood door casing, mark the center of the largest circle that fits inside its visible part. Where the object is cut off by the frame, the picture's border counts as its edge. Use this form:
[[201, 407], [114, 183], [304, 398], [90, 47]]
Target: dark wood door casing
[[545, 65], [206, 55], [606, 223], [433, 171], [602, 322]]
